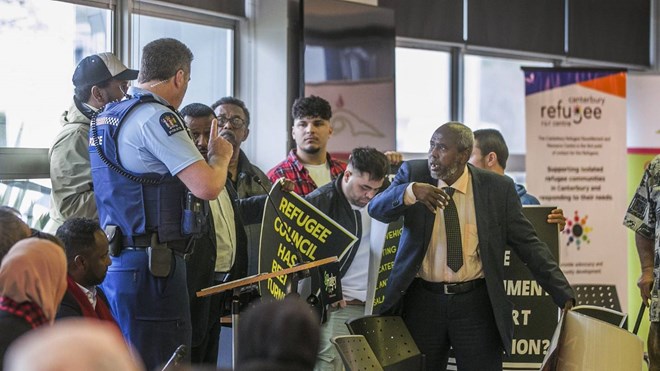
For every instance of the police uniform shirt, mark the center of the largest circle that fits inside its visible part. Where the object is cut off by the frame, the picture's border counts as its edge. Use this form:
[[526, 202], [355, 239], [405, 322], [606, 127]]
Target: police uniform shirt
[[153, 139]]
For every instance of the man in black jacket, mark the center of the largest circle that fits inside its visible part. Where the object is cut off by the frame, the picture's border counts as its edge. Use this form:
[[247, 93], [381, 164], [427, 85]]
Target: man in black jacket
[[221, 254], [446, 280], [344, 200], [86, 247], [234, 123]]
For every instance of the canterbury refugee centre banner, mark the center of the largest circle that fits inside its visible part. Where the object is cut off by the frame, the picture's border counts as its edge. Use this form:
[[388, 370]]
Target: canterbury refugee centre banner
[[576, 150]]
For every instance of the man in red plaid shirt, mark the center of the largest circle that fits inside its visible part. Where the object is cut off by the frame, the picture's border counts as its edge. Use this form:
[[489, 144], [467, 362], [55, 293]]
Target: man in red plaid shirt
[[309, 165]]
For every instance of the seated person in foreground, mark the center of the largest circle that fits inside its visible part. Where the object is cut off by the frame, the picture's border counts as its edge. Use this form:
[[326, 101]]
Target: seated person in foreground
[[74, 344], [278, 336], [86, 249], [32, 284]]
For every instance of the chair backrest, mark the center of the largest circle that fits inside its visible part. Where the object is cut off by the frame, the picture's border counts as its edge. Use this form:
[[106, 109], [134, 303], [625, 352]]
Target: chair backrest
[[390, 341], [598, 295], [356, 353], [610, 316]]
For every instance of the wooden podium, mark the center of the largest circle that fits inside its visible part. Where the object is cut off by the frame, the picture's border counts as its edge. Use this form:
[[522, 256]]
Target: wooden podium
[[237, 285]]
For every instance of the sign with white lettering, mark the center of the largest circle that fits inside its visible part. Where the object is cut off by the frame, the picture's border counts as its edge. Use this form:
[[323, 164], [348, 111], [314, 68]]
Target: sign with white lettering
[[385, 262], [295, 232], [535, 315]]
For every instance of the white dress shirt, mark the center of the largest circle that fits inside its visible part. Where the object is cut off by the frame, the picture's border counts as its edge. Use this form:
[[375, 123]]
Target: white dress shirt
[[434, 266]]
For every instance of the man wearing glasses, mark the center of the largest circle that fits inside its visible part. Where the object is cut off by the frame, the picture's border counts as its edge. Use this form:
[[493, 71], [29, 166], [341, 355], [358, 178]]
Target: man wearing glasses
[[234, 117], [234, 124], [98, 79], [221, 254]]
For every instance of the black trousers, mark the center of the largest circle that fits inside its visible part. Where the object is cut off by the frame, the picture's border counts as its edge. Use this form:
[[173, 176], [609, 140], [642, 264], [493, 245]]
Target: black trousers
[[206, 350], [463, 321]]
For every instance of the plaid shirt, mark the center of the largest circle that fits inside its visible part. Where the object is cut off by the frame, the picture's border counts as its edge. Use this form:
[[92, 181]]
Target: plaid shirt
[[295, 171], [27, 310], [642, 218]]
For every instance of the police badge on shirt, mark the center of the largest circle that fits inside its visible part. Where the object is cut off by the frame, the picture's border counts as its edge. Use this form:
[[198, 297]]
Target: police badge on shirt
[[170, 123]]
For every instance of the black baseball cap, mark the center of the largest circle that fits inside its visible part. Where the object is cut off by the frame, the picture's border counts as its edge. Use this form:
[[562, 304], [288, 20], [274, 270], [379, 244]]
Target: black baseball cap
[[101, 67]]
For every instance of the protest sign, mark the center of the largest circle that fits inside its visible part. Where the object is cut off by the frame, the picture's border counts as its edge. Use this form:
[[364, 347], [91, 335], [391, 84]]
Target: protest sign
[[294, 231]]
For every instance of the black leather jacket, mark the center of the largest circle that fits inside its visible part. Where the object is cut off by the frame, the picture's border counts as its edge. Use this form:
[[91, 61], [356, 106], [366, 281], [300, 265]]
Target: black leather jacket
[[330, 200]]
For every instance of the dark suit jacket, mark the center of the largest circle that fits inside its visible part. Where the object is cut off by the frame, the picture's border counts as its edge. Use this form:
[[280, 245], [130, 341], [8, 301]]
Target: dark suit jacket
[[69, 307], [200, 265], [500, 223]]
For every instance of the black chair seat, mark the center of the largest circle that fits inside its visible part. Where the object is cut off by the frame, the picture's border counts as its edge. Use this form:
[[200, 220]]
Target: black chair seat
[[390, 341], [356, 353]]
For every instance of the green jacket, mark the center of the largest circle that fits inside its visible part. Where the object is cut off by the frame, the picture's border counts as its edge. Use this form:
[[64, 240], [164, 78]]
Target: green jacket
[[72, 192]]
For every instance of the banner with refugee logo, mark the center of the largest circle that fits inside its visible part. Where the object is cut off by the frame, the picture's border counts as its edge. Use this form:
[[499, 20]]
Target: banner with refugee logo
[[294, 231], [576, 150]]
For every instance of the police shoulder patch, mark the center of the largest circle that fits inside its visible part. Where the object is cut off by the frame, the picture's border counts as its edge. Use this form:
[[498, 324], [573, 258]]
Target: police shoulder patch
[[170, 123]]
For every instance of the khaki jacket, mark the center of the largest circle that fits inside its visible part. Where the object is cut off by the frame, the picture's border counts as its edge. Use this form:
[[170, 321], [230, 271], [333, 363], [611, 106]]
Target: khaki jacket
[[72, 192]]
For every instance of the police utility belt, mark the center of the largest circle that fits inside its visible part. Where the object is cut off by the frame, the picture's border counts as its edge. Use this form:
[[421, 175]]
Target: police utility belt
[[193, 224], [160, 254]]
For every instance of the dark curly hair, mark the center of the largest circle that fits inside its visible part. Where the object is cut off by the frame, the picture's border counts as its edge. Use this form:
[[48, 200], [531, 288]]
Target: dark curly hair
[[311, 106], [77, 234]]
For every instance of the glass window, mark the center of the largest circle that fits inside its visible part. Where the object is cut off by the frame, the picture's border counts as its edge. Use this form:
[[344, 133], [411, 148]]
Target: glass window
[[30, 197], [42, 42], [212, 47], [422, 97], [495, 97]]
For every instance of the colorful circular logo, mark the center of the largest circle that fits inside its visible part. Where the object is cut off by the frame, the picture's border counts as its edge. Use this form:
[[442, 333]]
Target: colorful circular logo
[[577, 230]]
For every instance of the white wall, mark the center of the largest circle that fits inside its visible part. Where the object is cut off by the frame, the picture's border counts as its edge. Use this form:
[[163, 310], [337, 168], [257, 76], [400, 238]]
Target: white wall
[[263, 80]]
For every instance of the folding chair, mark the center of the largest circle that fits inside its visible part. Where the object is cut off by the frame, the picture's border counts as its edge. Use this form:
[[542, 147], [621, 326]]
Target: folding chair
[[356, 353], [599, 295], [390, 341], [600, 333], [611, 316]]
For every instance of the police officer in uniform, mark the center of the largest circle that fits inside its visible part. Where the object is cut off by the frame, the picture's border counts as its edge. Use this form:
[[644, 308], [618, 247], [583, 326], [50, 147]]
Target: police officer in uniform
[[148, 179]]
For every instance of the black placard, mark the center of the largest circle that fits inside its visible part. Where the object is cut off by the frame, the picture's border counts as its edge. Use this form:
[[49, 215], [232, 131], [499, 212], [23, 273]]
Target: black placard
[[303, 228]]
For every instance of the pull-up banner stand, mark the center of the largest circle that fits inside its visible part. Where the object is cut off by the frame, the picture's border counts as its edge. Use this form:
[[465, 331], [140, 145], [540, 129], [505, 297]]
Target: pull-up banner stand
[[576, 151]]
